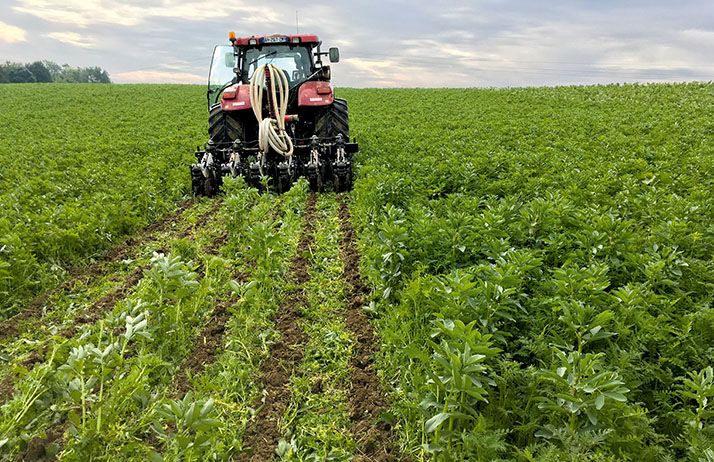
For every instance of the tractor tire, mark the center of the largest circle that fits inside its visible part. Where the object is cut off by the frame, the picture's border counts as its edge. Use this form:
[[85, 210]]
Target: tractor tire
[[223, 127], [333, 121]]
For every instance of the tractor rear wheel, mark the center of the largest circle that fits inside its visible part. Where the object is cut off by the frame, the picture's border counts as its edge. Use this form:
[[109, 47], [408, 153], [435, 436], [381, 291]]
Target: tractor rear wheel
[[333, 121], [223, 127]]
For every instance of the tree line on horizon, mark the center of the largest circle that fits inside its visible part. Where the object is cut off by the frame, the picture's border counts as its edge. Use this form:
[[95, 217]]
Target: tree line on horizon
[[49, 71]]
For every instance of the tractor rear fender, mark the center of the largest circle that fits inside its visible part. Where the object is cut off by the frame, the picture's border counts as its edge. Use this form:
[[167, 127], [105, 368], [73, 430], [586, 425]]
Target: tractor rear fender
[[236, 98], [315, 94]]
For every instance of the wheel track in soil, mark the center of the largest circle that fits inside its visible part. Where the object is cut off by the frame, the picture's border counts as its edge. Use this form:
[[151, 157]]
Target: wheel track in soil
[[34, 309], [286, 353], [367, 399], [36, 449]]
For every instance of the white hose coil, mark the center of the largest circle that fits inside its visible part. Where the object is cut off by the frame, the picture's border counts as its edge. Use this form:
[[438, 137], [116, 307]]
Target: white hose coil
[[271, 132]]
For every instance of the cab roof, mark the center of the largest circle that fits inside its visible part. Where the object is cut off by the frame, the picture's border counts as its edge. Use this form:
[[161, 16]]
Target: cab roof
[[255, 40]]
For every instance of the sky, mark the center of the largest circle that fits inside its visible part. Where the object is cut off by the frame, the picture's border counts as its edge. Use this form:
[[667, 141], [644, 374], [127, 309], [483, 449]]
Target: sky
[[415, 43]]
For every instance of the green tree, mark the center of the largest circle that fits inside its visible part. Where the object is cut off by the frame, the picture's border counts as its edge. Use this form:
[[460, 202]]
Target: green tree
[[18, 73], [40, 72]]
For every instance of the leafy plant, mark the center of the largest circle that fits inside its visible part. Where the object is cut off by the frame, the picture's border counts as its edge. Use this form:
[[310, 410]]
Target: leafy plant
[[186, 424], [581, 395], [458, 378]]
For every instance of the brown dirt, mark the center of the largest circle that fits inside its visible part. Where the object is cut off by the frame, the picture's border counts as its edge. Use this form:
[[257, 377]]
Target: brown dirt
[[367, 398], [7, 389], [36, 449], [215, 246], [37, 306], [285, 354]]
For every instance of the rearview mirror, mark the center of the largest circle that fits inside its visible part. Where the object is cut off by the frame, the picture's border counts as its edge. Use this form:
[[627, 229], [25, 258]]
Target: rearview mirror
[[229, 60], [334, 55]]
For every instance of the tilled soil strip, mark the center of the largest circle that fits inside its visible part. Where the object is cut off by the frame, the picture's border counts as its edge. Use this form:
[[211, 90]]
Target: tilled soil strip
[[34, 309], [285, 354], [367, 398]]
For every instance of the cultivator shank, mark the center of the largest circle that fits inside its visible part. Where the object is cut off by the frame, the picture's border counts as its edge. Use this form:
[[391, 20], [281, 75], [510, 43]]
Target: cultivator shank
[[326, 164]]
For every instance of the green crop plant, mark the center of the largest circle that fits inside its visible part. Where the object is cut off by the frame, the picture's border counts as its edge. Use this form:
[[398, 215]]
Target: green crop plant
[[699, 387], [459, 379], [190, 424], [580, 397], [88, 367]]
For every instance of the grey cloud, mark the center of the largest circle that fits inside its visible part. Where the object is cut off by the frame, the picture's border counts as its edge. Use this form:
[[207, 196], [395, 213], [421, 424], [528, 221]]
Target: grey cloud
[[403, 43]]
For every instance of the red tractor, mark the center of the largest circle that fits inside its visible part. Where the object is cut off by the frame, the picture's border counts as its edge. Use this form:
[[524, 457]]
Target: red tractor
[[273, 117]]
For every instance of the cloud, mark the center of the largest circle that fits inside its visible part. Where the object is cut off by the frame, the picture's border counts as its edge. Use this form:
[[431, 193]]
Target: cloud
[[11, 34], [84, 13], [146, 76], [393, 43], [72, 38]]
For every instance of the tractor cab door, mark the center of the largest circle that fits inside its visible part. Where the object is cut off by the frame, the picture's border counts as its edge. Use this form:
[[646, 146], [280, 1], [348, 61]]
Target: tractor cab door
[[222, 72]]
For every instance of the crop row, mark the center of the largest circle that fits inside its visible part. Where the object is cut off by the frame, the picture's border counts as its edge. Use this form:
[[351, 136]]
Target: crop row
[[544, 263], [538, 264]]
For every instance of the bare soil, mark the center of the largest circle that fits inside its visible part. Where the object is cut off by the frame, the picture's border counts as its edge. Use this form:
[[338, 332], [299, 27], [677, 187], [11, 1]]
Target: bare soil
[[36, 449], [285, 354], [367, 398], [7, 389]]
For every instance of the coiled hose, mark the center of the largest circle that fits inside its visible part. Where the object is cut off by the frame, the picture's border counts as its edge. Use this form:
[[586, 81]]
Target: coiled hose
[[271, 132]]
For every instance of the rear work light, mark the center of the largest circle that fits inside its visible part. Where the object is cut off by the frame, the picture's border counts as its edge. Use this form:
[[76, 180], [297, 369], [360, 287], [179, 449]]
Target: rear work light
[[252, 41], [295, 40]]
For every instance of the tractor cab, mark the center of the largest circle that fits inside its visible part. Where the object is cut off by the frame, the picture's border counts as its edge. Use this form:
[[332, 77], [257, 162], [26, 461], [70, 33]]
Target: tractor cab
[[298, 56]]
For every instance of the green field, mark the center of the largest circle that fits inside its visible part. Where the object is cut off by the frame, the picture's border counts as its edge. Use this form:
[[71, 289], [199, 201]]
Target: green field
[[537, 281]]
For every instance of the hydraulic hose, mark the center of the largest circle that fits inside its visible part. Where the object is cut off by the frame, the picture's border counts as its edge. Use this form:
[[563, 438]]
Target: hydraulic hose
[[271, 132]]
